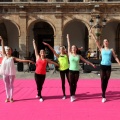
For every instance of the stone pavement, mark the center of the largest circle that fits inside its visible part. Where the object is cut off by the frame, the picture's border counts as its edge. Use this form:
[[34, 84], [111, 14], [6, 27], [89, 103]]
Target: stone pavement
[[93, 75]]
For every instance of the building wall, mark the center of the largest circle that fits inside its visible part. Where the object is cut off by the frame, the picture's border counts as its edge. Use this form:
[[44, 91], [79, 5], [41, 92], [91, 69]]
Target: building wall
[[23, 16]]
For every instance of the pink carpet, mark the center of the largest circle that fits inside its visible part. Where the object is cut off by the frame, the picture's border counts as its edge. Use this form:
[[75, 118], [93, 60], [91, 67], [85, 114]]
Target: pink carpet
[[88, 105]]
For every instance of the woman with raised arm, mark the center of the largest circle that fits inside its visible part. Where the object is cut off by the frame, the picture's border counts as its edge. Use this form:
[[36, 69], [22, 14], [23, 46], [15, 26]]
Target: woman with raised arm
[[63, 65], [40, 72], [74, 60], [8, 70], [106, 55]]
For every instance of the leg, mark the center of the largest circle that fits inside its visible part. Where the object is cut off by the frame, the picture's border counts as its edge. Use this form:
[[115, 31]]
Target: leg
[[62, 75], [67, 75], [41, 82], [108, 73], [37, 79], [7, 85], [76, 80], [71, 78], [11, 78], [103, 77]]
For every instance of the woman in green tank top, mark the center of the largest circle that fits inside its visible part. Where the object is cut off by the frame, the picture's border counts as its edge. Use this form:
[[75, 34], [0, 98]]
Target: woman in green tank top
[[74, 59], [63, 65]]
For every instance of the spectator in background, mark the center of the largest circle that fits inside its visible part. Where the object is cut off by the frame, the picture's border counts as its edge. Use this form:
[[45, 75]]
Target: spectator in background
[[15, 53]]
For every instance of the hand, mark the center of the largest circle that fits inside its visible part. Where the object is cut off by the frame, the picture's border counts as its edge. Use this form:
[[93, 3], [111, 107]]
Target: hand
[[67, 36], [45, 43], [81, 48], [1, 38], [33, 41], [31, 62], [94, 66], [91, 31]]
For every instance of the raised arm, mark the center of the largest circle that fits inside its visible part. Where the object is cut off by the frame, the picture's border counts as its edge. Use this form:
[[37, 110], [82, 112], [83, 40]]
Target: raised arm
[[35, 48], [68, 42], [3, 48], [96, 41], [51, 49], [115, 56]]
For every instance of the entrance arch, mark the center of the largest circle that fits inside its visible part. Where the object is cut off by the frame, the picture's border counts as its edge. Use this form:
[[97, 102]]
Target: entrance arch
[[78, 34], [10, 33], [41, 31]]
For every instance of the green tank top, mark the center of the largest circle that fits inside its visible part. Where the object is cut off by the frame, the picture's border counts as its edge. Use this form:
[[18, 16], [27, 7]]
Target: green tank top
[[63, 62], [74, 62]]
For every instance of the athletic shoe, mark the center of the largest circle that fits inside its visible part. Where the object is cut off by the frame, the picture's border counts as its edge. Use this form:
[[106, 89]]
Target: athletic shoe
[[41, 100], [7, 100], [64, 97], [37, 96], [72, 98], [103, 100], [11, 100]]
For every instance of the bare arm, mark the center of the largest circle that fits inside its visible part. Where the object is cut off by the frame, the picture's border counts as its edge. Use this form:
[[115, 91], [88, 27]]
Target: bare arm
[[3, 48], [116, 58], [89, 63], [49, 61], [35, 48], [96, 41], [51, 49], [22, 60], [68, 42], [80, 48]]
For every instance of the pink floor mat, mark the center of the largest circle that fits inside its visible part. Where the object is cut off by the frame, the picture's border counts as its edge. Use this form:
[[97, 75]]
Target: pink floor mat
[[88, 105]]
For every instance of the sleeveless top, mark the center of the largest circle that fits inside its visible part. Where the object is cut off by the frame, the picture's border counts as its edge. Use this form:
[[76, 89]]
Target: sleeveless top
[[7, 66], [74, 62], [106, 57], [41, 66], [63, 62]]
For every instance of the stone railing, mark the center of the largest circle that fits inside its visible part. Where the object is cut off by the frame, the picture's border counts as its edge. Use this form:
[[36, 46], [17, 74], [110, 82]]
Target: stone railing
[[59, 0]]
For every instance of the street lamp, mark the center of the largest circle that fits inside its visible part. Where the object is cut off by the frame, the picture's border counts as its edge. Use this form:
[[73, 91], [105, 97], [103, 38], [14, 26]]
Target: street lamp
[[98, 25]]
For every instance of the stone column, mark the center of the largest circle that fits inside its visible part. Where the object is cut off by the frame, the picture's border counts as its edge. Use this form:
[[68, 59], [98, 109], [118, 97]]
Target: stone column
[[22, 40], [58, 36]]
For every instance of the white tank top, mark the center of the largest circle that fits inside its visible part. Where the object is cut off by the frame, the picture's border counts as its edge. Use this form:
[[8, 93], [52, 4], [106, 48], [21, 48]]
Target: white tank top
[[7, 66]]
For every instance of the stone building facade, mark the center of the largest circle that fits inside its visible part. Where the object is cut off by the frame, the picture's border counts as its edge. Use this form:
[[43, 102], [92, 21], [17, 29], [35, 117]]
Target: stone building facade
[[51, 20]]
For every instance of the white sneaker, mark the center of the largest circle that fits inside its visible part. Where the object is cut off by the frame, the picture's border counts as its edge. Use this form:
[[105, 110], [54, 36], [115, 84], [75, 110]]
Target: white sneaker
[[37, 96], [41, 100], [103, 100], [72, 98], [64, 97]]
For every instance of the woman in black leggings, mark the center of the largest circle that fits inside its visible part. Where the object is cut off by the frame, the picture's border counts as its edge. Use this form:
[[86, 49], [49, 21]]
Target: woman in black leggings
[[105, 72], [63, 65]]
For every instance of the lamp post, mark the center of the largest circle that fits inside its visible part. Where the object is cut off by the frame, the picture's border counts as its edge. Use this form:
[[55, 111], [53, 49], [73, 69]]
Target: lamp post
[[98, 25]]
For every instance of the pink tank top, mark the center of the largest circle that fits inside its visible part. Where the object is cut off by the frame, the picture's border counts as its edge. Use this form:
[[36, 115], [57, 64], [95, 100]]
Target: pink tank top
[[41, 66]]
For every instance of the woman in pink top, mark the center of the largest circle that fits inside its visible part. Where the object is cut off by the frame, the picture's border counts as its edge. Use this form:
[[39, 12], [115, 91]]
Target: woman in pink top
[[40, 72], [8, 70]]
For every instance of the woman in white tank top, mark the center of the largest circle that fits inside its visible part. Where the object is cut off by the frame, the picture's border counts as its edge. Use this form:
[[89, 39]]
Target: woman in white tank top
[[8, 71]]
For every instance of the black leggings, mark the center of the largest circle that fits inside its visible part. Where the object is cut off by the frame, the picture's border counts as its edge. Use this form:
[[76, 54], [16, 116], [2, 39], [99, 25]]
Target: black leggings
[[62, 75], [105, 73], [73, 78], [39, 82]]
